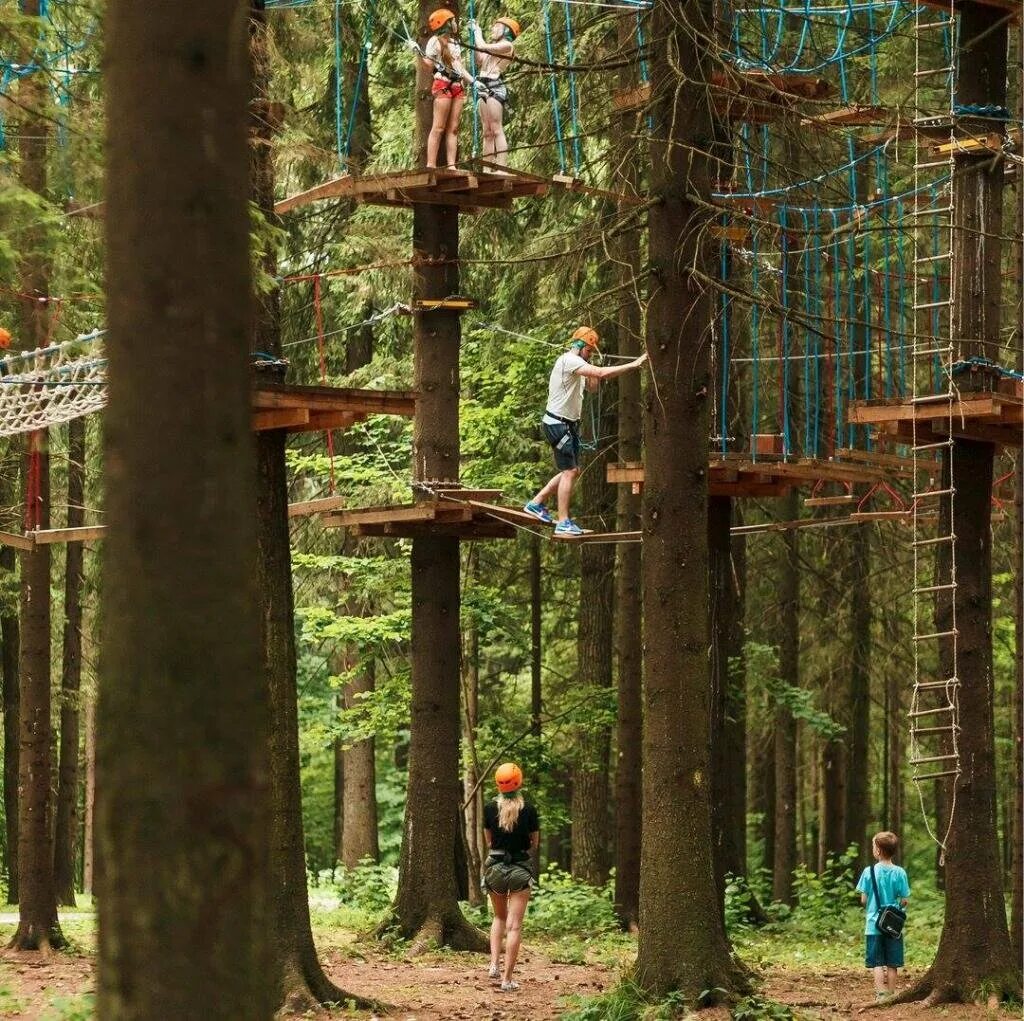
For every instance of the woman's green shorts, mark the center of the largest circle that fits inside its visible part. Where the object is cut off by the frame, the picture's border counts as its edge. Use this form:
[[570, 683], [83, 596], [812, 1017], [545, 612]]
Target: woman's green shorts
[[503, 878]]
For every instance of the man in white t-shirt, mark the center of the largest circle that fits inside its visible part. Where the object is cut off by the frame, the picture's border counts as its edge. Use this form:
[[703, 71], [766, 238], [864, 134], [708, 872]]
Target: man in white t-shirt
[[571, 375]]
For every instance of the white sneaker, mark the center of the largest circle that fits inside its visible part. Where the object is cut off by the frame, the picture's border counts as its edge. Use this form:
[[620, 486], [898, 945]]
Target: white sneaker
[[494, 971], [509, 987]]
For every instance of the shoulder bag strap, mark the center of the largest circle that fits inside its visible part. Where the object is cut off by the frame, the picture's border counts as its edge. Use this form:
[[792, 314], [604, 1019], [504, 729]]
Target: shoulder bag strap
[[874, 884]]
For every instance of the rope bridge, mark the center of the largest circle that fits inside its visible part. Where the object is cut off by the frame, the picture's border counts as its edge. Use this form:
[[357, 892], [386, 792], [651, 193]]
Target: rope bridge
[[52, 385]]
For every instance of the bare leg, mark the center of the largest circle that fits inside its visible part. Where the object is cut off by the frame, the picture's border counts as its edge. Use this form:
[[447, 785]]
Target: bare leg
[[442, 105], [565, 484], [891, 975], [546, 493], [517, 903], [880, 982], [499, 905], [499, 145], [487, 123], [451, 138]]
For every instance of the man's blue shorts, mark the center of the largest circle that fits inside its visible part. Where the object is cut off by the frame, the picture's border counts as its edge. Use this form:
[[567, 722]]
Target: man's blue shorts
[[564, 438], [883, 952]]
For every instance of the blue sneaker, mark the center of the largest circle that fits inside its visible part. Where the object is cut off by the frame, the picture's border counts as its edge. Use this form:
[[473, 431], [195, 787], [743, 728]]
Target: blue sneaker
[[568, 527], [539, 511]]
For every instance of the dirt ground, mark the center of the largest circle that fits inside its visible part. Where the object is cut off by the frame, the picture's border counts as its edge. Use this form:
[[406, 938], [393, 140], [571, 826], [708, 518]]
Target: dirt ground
[[455, 987]]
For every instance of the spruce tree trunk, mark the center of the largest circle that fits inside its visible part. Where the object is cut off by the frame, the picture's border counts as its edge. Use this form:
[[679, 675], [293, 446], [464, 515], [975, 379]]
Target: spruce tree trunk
[[591, 819], [426, 905], [683, 950], [9, 657], [728, 809], [297, 979], [182, 717], [472, 797], [785, 723], [65, 843], [974, 948], [37, 926], [859, 699], [1017, 864], [628, 609], [359, 801], [89, 820], [536, 637]]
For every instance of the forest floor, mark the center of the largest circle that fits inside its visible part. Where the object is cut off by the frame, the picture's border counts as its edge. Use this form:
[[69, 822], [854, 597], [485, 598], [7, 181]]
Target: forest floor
[[446, 986]]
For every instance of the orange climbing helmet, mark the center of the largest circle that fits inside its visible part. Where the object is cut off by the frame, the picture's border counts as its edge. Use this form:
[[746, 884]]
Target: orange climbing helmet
[[439, 18], [5, 339], [508, 777], [587, 336], [511, 24]]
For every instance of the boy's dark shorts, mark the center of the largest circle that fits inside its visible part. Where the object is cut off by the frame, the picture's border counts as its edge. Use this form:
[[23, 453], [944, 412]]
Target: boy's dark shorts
[[883, 952], [564, 438]]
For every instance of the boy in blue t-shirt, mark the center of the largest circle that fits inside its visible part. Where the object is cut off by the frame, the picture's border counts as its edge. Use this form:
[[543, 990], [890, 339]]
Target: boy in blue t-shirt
[[883, 954]]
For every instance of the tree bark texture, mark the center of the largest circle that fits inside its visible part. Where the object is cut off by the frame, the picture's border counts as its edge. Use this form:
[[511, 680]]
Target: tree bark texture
[[685, 951], [974, 948], [359, 801], [182, 716], [591, 783], [426, 904], [628, 607], [297, 980], [472, 796], [9, 658], [858, 586], [729, 786], [536, 638], [65, 842], [89, 820], [785, 723]]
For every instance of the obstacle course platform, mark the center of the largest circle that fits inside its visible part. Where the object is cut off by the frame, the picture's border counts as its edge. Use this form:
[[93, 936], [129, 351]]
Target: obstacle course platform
[[296, 408]]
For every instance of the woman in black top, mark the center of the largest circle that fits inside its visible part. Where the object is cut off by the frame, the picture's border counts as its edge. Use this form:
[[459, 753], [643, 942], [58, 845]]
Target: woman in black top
[[512, 831]]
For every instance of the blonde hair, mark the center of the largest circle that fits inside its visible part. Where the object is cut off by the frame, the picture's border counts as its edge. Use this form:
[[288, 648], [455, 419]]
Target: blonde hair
[[508, 811]]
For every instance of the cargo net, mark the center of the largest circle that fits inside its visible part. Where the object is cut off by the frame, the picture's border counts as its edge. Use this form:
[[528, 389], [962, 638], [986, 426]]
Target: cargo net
[[52, 385]]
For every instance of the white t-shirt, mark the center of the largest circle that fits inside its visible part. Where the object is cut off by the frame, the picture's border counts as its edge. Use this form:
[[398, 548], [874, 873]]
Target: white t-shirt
[[433, 52], [566, 386]]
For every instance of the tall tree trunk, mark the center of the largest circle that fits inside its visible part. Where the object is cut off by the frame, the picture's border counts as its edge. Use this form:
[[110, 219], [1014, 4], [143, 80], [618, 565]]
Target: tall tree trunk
[[426, 904], [359, 803], [536, 637], [471, 788], [628, 639], [687, 951], [833, 766], [339, 789], [182, 717], [785, 723], [37, 902], [65, 842], [859, 699], [591, 818], [297, 979], [974, 948], [764, 791], [728, 775], [10, 653], [89, 820]]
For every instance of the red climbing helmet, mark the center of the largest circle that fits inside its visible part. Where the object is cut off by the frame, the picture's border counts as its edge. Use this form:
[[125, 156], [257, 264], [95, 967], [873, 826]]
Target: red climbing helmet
[[511, 24], [5, 339], [508, 777], [440, 18]]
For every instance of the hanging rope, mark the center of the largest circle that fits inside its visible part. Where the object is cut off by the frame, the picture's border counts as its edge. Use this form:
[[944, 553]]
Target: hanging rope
[[577, 156], [320, 336], [546, 10]]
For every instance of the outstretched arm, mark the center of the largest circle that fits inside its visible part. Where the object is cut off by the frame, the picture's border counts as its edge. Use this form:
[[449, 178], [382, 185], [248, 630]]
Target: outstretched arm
[[601, 372], [502, 48]]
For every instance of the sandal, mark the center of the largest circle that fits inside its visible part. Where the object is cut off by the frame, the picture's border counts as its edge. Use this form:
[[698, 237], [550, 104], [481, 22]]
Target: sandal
[[494, 971], [509, 986]]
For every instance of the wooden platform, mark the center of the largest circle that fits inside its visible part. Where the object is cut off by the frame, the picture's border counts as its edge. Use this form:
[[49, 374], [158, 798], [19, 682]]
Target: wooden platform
[[295, 408], [989, 416], [854, 116], [456, 303], [470, 192], [771, 475]]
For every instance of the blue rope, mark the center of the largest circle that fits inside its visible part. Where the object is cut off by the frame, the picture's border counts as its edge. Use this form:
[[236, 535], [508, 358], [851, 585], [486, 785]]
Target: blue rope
[[546, 8], [838, 318], [808, 300], [726, 303], [902, 304], [787, 446], [573, 99], [364, 59], [339, 96], [472, 71], [755, 342]]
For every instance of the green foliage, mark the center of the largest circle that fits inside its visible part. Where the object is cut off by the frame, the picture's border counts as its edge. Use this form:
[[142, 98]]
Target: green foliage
[[763, 668], [369, 887], [823, 899], [562, 906], [78, 1007]]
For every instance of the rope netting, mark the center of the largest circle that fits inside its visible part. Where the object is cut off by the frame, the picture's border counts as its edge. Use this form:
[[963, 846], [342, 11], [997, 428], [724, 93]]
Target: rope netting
[[52, 385]]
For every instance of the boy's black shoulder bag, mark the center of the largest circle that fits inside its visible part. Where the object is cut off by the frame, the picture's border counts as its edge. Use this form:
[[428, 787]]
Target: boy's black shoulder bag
[[891, 918]]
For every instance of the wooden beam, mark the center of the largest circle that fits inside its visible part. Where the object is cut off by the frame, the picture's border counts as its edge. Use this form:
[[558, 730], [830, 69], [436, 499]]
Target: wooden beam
[[338, 187], [849, 116], [324, 421], [463, 495], [510, 514], [468, 531], [87, 533], [321, 505], [830, 501], [599, 537], [269, 396], [280, 418], [17, 541], [968, 406]]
